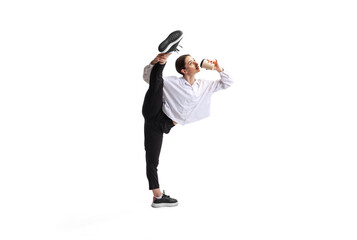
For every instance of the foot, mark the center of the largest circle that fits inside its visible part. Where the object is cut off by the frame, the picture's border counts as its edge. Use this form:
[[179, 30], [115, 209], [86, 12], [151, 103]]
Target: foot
[[171, 43], [165, 201]]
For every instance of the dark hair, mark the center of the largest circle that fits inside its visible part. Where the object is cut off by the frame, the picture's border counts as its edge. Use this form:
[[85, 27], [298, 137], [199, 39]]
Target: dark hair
[[180, 63]]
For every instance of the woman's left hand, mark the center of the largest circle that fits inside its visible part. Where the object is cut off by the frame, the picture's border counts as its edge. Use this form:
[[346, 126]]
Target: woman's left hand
[[216, 66]]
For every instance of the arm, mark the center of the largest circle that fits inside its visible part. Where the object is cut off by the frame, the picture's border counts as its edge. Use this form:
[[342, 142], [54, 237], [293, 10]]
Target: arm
[[162, 58], [225, 82], [147, 72]]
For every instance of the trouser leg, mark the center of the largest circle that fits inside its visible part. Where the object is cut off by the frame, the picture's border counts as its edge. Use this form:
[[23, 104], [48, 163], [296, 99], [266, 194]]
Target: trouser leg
[[153, 99], [156, 123], [153, 143]]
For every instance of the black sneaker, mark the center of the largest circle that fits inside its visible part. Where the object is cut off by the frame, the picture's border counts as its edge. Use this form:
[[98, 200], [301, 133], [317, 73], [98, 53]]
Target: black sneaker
[[171, 42], [165, 201]]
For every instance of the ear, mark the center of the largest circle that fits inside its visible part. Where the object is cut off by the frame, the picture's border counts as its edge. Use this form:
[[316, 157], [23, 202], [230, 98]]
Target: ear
[[183, 71]]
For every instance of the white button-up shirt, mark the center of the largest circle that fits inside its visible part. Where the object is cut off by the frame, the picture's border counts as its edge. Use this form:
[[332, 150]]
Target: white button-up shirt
[[184, 103]]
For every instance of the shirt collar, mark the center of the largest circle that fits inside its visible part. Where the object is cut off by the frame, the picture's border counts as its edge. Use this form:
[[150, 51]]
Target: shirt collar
[[183, 80]]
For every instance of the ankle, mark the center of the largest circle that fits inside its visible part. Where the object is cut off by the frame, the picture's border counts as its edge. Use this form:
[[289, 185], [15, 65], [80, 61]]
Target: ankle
[[158, 195], [157, 192]]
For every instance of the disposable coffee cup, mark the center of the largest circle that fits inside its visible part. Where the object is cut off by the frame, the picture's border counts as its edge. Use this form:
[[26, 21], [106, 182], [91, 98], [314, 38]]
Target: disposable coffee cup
[[207, 65]]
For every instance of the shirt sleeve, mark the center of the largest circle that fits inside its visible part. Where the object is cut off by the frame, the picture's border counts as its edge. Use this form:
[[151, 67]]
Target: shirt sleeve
[[147, 72], [225, 82]]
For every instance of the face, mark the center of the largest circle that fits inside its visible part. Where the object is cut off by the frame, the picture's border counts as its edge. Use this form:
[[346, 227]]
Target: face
[[191, 66]]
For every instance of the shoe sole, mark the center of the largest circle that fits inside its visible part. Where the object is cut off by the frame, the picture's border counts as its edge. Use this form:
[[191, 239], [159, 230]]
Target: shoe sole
[[159, 205], [170, 41]]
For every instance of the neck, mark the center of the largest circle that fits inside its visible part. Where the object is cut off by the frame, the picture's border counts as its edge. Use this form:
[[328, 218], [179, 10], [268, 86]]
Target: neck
[[190, 79]]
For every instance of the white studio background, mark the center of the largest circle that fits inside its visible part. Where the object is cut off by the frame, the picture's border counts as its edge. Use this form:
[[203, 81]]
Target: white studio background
[[276, 159]]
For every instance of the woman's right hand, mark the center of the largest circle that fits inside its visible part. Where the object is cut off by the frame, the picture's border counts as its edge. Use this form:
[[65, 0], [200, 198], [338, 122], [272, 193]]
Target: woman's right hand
[[161, 58]]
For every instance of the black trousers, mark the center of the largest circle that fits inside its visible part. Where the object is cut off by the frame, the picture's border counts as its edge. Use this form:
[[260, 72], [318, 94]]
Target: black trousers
[[156, 124]]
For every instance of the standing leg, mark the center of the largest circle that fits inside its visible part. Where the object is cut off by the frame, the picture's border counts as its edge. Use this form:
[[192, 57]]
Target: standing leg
[[153, 143]]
